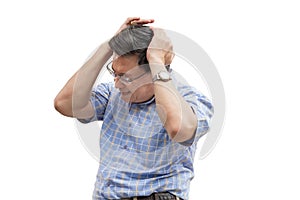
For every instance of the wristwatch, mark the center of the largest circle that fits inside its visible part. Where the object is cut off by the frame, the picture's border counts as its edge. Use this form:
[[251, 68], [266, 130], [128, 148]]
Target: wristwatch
[[162, 76]]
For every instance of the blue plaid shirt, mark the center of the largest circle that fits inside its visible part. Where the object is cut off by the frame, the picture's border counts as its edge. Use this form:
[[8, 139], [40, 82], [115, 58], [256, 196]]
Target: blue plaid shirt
[[137, 156]]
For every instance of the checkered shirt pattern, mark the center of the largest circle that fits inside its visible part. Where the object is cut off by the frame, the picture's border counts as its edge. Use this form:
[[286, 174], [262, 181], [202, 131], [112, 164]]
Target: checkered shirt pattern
[[137, 157]]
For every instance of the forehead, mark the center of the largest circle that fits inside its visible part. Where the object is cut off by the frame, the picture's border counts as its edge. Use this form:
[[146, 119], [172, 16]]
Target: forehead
[[123, 64]]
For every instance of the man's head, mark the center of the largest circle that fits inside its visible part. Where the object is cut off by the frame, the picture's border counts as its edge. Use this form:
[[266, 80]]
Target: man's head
[[130, 65], [134, 40]]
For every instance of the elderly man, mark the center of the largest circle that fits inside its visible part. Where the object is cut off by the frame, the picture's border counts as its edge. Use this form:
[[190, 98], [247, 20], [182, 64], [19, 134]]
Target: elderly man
[[152, 119]]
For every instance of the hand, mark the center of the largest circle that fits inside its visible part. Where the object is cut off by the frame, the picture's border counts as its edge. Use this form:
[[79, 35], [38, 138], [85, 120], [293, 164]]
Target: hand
[[160, 49], [133, 21]]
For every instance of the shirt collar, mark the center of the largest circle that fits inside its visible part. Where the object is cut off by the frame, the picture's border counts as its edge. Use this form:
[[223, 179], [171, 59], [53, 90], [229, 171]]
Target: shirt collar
[[151, 100]]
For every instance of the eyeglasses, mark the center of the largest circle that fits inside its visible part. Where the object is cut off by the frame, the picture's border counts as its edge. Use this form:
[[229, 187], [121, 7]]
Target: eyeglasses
[[122, 77]]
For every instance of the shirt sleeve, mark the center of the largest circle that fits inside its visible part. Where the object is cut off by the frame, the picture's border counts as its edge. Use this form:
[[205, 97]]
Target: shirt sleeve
[[203, 109], [99, 99]]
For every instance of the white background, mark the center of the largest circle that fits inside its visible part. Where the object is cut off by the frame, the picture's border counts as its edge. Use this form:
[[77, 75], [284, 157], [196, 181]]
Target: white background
[[255, 46]]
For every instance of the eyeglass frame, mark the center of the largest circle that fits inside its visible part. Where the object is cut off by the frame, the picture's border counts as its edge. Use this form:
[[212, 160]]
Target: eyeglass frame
[[122, 78], [128, 80]]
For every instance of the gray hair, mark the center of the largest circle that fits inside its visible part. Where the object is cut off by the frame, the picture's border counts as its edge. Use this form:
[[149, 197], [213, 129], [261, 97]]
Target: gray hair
[[133, 40]]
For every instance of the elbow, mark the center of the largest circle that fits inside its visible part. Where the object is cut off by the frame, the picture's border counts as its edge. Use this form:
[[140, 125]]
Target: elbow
[[173, 132], [181, 132], [57, 105], [65, 107], [61, 106]]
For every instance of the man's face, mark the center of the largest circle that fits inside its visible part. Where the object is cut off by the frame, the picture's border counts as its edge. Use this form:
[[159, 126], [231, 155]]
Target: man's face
[[134, 83]]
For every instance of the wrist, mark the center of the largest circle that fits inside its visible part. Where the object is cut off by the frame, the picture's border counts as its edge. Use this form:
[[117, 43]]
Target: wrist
[[155, 58], [156, 67]]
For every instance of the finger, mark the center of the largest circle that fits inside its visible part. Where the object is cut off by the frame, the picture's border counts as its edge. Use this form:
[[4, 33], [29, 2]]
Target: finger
[[129, 19], [141, 21], [145, 21]]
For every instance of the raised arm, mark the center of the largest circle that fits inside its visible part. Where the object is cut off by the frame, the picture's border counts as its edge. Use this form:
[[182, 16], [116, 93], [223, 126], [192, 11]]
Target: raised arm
[[178, 117], [73, 99]]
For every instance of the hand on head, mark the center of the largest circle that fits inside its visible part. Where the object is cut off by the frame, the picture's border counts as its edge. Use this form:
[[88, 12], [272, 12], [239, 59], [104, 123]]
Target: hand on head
[[134, 21], [160, 49]]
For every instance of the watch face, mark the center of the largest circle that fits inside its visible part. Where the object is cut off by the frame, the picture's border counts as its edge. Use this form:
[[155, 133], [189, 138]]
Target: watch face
[[164, 75]]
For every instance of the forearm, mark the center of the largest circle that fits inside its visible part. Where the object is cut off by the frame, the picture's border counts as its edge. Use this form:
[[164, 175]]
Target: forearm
[[87, 75], [176, 114], [73, 99]]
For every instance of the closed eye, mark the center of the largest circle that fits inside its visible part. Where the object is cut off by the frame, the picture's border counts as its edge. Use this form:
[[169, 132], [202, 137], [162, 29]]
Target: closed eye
[[117, 74]]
